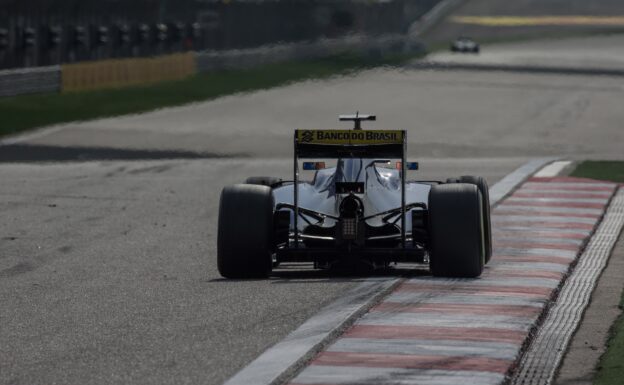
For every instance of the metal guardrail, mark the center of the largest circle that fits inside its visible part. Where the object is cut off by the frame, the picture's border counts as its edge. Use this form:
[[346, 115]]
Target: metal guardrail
[[30, 81]]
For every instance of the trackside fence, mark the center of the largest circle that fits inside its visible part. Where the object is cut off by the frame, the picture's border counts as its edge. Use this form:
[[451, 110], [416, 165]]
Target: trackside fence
[[374, 28]]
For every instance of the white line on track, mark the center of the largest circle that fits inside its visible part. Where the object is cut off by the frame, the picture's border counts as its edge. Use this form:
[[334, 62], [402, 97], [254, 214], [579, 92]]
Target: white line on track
[[561, 192], [546, 210], [589, 185], [553, 241], [512, 200], [553, 169], [426, 347], [300, 345], [448, 320], [341, 375], [506, 185], [486, 280], [32, 135], [427, 297], [543, 229], [278, 362], [570, 254], [529, 266], [544, 218]]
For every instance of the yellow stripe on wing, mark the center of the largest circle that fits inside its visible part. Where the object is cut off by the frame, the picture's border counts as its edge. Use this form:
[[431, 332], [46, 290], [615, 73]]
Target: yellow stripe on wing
[[350, 137]]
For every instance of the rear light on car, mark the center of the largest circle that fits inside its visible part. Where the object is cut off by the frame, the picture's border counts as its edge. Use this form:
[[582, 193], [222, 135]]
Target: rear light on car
[[351, 210], [349, 228], [408, 165], [313, 166]]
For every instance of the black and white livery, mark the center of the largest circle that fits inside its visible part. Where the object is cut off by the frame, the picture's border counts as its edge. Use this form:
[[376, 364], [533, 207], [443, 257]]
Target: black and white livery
[[465, 45], [359, 211]]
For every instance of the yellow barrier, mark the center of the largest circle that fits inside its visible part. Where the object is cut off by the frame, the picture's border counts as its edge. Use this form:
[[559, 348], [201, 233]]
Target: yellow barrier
[[126, 72], [523, 21]]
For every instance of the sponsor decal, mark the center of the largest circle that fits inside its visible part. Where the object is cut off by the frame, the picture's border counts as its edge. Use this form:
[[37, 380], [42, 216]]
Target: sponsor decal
[[306, 136], [350, 137]]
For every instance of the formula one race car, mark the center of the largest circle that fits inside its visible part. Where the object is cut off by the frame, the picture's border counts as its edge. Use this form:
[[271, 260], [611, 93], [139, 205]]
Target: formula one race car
[[359, 211], [465, 44]]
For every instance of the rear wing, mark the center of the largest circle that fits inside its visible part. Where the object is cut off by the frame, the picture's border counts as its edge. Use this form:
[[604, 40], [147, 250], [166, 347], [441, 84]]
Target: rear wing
[[356, 143], [350, 144]]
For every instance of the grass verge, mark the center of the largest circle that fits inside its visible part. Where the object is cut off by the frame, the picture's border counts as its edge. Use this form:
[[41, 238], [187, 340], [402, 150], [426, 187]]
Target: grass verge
[[599, 169], [29, 111], [611, 366], [610, 370]]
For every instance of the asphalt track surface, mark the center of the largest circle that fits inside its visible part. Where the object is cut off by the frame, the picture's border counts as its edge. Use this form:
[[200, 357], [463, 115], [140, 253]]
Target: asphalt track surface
[[591, 55], [447, 114], [108, 268], [108, 273]]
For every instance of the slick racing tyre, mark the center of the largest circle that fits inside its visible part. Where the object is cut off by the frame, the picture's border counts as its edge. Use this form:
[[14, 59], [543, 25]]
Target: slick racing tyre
[[485, 196], [457, 247], [263, 180], [244, 244]]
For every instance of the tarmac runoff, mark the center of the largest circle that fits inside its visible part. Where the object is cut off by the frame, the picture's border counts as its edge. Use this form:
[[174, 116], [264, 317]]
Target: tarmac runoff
[[473, 331]]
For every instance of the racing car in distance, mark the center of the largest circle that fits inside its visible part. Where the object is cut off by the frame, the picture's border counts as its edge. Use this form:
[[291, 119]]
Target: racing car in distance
[[359, 211], [465, 45]]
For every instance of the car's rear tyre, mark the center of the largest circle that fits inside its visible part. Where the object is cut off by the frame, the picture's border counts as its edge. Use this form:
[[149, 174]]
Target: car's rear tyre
[[485, 196], [484, 189], [244, 244], [457, 246], [263, 180]]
